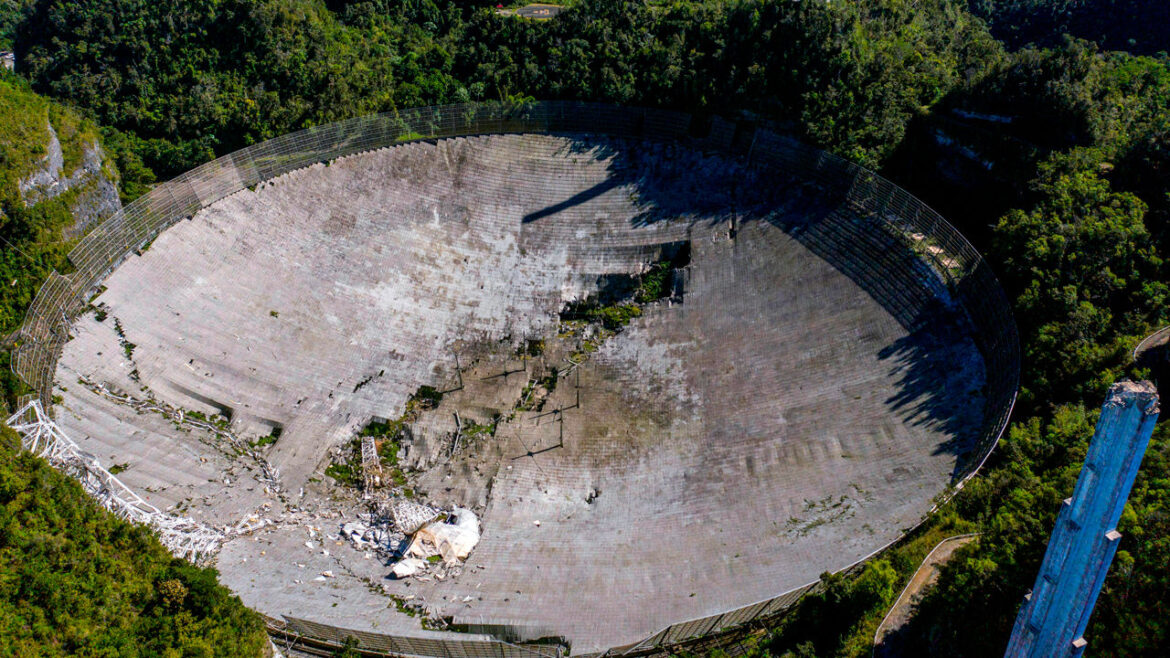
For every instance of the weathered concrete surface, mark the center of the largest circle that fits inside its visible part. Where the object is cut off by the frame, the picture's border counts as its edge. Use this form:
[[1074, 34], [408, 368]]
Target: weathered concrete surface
[[779, 420]]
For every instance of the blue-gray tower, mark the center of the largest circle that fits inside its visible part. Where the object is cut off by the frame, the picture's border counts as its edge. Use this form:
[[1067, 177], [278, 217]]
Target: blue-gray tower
[[1054, 616]]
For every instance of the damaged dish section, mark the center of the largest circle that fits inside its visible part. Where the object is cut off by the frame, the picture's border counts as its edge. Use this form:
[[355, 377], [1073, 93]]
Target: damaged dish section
[[448, 539], [418, 541]]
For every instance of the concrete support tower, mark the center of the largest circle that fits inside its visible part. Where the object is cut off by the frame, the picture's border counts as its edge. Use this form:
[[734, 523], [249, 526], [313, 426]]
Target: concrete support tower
[[1054, 616]]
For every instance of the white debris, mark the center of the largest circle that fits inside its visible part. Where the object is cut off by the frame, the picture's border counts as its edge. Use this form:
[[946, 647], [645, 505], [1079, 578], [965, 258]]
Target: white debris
[[453, 538], [327, 573], [354, 530], [408, 567]]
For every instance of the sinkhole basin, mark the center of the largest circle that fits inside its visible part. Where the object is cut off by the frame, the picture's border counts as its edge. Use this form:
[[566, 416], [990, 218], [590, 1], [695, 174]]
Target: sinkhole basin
[[673, 377]]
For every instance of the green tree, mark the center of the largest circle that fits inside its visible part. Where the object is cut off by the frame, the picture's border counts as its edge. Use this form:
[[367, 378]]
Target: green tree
[[1086, 275], [75, 580]]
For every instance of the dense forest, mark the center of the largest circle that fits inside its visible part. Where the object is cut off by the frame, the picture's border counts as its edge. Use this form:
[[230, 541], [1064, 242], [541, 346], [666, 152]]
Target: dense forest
[[75, 580], [1041, 128]]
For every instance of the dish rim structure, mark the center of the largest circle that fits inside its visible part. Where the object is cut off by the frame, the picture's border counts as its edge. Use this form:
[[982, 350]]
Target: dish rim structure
[[958, 265]]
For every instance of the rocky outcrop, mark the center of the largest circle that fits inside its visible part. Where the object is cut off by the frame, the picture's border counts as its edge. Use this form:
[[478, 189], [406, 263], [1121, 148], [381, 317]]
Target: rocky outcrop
[[44, 182], [97, 196]]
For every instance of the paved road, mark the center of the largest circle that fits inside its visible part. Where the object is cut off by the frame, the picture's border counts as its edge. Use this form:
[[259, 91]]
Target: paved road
[[886, 642], [538, 12]]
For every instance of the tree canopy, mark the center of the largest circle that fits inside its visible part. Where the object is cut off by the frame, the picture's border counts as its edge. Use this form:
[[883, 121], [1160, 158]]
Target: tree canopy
[[75, 580]]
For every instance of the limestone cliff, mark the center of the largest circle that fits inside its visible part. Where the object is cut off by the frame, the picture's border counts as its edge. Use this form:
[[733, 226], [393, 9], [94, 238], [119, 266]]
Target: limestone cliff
[[97, 196], [50, 152], [56, 182]]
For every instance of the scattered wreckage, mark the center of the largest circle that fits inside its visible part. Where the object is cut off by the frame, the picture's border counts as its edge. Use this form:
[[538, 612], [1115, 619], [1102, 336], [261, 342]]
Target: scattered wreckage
[[421, 541]]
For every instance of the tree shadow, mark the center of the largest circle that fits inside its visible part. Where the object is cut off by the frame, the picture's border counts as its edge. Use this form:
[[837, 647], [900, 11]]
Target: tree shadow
[[941, 382]]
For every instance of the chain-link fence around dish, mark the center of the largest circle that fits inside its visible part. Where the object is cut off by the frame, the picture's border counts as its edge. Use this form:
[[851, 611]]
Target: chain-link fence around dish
[[881, 237]]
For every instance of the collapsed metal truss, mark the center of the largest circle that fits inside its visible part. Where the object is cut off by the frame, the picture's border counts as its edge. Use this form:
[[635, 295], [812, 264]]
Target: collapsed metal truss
[[409, 516], [371, 465], [41, 436]]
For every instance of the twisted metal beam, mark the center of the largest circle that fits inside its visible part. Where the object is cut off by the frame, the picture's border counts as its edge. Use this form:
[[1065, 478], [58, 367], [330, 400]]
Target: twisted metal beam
[[41, 436], [371, 464]]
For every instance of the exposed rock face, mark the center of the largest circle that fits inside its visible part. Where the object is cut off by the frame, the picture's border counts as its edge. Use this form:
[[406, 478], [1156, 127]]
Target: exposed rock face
[[98, 191]]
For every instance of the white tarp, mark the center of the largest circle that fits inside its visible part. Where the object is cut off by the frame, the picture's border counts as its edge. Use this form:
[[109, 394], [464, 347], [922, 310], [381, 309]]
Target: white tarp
[[452, 538]]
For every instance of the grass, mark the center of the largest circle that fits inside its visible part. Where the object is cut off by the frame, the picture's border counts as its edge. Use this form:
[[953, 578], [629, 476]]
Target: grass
[[127, 346], [24, 134], [612, 317], [472, 429], [388, 451], [652, 286], [426, 397], [388, 435], [220, 422], [266, 440], [74, 133], [531, 348], [344, 473], [655, 284], [528, 401]]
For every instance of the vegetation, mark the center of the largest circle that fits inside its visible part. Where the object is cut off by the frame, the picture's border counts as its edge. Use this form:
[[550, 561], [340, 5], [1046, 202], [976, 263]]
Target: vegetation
[[535, 393], [1054, 158], [472, 430], [31, 235], [75, 580], [347, 470], [11, 13], [1137, 26], [188, 80], [1083, 257], [268, 440]]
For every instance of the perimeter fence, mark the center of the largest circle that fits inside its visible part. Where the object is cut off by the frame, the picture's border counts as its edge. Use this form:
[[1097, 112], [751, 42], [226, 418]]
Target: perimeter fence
[[898, 249]]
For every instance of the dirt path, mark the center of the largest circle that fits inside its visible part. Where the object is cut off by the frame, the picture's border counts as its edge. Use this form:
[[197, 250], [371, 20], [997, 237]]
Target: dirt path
[[886, 642]]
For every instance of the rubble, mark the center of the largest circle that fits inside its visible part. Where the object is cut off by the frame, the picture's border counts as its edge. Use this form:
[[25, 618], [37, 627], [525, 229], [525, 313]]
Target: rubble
[[410, 516], [367, 535], [408, 567], [452, 538]]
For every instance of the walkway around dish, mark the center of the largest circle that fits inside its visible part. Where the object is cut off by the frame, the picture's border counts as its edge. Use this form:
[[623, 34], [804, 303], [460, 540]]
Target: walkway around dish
[[923, 578]]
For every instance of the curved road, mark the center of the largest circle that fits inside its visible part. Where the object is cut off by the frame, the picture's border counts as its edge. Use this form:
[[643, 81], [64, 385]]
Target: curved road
[[886, 642]]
